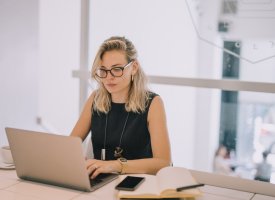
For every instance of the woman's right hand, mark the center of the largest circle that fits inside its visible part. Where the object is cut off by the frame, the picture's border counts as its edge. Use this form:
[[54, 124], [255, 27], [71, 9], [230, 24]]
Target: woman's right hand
[[96, 167]]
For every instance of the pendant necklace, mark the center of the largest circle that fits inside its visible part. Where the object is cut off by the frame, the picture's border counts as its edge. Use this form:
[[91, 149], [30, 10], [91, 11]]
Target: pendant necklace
[[118, 150]]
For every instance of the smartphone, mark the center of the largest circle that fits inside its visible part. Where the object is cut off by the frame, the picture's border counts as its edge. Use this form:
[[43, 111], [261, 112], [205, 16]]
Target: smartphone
[[130, 183]]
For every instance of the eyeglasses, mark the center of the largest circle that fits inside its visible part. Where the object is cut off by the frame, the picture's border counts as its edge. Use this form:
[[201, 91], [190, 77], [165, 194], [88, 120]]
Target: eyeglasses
[[115, 71]]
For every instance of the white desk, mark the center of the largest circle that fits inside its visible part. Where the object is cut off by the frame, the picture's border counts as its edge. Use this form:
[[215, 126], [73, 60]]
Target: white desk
[[12, 188]]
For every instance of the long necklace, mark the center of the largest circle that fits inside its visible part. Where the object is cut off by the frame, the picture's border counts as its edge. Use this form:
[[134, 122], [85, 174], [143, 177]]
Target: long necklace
[[118, 150]]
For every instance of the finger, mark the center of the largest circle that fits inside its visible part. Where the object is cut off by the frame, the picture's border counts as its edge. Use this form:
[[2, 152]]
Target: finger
[[91, 169], [90, 162], [101, 169], [88, 165], [96, 172]]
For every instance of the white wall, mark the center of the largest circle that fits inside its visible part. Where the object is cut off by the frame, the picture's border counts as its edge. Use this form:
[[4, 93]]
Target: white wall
[[59, 39], [18, 65], [39, 49]]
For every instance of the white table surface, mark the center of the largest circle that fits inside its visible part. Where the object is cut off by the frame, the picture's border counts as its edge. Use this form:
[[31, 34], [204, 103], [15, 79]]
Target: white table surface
[[12, 188]]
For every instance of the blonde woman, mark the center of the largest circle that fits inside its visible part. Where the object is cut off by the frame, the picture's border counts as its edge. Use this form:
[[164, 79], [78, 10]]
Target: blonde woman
[[126, 120]]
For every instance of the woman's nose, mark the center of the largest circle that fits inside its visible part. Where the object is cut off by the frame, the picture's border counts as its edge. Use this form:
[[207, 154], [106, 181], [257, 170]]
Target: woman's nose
[[109, 75]]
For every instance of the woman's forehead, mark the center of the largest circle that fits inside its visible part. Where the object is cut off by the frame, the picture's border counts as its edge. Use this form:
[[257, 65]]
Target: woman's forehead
[[111, 58]]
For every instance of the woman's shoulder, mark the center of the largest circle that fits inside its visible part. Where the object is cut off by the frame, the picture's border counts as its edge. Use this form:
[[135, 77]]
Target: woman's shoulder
[[90, 99], [152, 95], [154, 99], [92, 96]]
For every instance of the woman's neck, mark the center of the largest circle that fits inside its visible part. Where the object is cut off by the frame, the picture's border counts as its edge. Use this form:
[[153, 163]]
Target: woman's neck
[[118, 98]]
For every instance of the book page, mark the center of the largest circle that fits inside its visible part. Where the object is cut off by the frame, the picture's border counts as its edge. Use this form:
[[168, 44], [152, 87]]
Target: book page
[[170, 178], [147, 188]]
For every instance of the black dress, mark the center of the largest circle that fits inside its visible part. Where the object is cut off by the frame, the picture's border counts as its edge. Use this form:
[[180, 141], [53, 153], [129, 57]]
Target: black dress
[[135, 141]]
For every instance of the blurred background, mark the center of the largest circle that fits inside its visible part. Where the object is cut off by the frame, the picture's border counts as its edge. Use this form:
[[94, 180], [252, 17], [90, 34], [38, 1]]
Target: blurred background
[[212, 62]]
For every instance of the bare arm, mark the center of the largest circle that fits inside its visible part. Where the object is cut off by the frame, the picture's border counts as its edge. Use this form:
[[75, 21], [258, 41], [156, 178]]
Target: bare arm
[[83, 125], [159, 141]]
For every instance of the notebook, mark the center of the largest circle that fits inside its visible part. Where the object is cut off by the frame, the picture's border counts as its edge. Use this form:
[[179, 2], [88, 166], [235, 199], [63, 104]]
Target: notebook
[[52, 159]]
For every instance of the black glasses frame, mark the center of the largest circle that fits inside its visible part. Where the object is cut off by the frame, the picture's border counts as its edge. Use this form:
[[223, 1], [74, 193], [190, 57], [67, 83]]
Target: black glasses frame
[[114, 68]]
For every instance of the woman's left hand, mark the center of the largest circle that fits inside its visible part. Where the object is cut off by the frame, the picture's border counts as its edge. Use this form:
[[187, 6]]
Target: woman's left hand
[[96, 167]]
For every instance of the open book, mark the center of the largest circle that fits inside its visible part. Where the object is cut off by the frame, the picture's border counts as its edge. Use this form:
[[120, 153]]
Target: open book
[[164, 184]]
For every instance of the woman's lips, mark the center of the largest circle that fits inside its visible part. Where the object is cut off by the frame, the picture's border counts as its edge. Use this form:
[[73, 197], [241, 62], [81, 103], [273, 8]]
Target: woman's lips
[[111, 85]]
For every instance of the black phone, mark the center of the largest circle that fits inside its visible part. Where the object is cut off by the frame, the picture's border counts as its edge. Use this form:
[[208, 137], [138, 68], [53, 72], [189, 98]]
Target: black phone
[[130, 183]]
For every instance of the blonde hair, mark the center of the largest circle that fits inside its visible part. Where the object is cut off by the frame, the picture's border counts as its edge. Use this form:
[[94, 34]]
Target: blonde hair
[[138, 94]]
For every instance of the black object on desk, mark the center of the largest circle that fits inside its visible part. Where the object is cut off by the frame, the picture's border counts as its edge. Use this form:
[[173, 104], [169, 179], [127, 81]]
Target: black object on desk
[[189, 187]]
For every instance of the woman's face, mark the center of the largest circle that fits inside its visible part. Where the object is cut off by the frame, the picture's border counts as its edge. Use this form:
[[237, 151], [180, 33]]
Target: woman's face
[[223, 152], [117, 86]]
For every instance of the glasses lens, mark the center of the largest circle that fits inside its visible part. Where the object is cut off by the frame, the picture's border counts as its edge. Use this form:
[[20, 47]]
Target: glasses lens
[[116, 71], [101, 73]]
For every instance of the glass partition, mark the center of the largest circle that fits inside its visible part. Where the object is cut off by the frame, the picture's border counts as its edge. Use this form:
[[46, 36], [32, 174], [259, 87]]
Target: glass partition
[[210, 134], [249, 25]]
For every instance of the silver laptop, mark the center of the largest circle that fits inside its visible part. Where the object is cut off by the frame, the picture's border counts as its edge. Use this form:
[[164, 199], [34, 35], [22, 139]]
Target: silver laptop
[[52, 159]]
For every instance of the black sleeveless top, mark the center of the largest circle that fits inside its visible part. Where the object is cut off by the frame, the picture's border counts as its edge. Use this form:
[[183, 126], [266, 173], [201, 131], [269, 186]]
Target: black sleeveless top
[[135, 142]]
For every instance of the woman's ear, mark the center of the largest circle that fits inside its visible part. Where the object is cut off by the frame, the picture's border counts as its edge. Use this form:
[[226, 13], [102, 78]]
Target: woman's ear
[[135, 67]]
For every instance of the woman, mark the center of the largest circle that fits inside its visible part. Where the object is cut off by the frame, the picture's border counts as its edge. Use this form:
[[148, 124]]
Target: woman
[[222, 161], [127, 122]]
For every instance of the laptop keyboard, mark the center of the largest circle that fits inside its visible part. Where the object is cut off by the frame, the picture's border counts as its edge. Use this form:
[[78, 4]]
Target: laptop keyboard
[[98, 179], [95, 181]]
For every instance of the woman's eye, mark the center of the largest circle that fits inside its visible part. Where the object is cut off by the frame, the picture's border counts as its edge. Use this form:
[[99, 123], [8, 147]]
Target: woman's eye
[[116, 70]]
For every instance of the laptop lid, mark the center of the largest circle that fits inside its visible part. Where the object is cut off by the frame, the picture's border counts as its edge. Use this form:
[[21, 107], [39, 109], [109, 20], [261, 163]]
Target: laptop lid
[[52, 159]]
